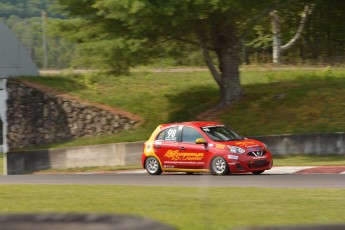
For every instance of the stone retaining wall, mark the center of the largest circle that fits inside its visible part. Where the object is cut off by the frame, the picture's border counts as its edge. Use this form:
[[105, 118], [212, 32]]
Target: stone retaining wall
[[36, 117]]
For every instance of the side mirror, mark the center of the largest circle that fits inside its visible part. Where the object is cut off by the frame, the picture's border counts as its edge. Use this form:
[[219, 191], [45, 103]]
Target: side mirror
[[200, 141]]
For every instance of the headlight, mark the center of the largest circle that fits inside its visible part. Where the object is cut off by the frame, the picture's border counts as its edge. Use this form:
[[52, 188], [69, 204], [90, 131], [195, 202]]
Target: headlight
[[235, 149]]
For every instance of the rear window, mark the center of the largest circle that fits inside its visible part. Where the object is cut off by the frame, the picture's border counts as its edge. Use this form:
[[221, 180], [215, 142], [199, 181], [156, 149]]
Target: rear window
[[169, 134]]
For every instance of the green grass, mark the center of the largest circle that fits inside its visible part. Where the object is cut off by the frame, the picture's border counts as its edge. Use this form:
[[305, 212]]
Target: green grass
[[181, 207], [304, 160], [274, 101], [307, 103]]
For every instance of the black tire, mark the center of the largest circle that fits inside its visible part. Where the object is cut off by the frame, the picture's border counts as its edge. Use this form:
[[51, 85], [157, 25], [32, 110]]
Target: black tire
[[189, 173], [152, 166], [258, 172], [219, 166]]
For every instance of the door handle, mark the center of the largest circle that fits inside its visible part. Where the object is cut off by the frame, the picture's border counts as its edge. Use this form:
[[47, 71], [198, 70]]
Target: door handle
[[182, 148]]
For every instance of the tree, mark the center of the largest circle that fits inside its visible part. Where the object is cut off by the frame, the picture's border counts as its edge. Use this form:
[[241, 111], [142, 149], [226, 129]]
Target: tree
[[321, 40], [23, 9], [125, 33], [278, 48]]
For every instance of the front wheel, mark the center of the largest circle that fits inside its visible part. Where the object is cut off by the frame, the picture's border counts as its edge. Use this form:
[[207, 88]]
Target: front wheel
[[258, 172], [219, 166], [152, 166]]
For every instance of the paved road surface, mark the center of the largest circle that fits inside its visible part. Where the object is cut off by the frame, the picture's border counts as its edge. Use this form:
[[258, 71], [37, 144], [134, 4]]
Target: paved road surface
[[178, 179]]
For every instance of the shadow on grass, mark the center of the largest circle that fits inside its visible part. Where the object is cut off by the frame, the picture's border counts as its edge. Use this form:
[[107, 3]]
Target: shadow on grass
[[186, 106], [310, 105]]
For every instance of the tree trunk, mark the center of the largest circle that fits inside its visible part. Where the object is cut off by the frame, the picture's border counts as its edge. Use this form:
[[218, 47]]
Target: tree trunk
[[277, 47], [227, 75], [276, 37], [230, 87]]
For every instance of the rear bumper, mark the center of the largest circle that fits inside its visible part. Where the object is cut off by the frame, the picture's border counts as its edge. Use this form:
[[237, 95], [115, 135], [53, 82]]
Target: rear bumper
[[143, 158]]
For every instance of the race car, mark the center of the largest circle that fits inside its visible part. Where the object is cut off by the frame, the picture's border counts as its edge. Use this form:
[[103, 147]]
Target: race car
[[203, 147]]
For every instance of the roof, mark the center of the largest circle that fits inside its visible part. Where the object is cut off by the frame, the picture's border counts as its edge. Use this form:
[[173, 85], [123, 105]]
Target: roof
[[194, 123]]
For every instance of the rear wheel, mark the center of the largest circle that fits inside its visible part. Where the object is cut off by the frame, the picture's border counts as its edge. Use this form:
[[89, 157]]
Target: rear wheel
[[152, 166], [258, 172], [219, 166]]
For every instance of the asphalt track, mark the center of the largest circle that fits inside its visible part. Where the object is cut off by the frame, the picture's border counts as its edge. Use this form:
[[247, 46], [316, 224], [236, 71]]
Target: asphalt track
[[181, 179]]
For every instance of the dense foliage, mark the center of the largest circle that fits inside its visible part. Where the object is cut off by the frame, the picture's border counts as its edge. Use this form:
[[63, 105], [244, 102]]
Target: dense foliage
[[322, 41], [23, 8]]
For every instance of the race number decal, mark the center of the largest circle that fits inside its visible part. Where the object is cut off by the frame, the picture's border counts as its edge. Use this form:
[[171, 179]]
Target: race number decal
[[171, 134]]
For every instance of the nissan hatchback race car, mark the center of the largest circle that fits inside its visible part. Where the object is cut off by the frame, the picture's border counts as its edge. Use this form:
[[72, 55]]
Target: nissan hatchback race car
[[203, 147]]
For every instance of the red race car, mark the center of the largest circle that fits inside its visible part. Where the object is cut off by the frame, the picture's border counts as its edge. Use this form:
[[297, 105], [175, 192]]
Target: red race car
[[203, 147]]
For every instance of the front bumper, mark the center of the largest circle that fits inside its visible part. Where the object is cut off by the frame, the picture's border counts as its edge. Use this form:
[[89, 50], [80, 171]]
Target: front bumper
[[250, 164]]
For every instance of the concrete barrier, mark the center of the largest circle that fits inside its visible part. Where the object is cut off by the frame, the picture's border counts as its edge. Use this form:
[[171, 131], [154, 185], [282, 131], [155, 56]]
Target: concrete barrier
[[305, 144], [121, 154], [85, 156]]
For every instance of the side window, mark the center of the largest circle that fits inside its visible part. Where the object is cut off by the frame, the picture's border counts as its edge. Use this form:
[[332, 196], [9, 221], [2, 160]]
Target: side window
[[190, 135], [169, 134]]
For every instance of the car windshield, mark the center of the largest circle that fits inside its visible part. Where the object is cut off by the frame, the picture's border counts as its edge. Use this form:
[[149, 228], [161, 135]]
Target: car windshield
[[221, 133]]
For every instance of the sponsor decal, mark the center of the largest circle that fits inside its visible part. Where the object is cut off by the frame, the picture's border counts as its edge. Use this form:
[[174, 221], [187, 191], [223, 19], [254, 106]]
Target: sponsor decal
[[189, 162], [219, 146], [259, 157], [232, 157], [183, 162], [245, 143], [175, 155], [168, 166], [212, 126]]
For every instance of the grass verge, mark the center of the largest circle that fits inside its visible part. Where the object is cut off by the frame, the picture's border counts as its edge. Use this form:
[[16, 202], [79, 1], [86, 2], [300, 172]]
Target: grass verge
[[308, 160], [181, 207]]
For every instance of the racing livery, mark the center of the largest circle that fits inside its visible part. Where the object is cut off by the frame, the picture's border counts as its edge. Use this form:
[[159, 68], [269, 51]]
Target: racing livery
[[203, 147]]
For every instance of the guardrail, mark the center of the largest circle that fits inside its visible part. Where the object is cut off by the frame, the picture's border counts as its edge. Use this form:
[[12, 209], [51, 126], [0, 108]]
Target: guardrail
[[129, 153]]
